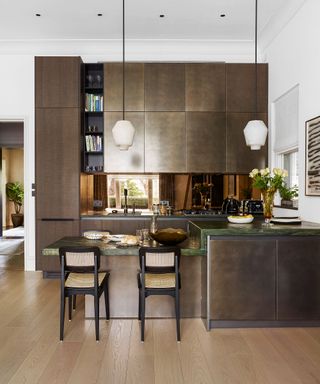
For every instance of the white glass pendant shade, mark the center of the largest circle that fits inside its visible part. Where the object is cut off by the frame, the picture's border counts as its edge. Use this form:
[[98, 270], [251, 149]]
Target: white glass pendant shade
[[255, 134], [123, 134]]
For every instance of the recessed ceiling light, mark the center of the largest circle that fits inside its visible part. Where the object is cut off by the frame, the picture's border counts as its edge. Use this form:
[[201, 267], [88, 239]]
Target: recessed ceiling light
[[38, 14], [223, 15], [99, 14], [161, 15]]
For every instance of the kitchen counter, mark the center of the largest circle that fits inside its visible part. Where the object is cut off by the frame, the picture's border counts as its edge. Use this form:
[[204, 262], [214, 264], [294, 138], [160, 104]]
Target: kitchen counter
[[259, 276], [206, 228]]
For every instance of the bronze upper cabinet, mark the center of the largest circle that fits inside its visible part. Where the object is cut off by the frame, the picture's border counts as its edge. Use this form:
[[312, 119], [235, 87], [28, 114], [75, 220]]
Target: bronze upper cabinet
[[134, 87], [165, 142], [206, 141], [57, 162], [240, 158], [206, 87], [164, 87], [124, 161], [57, 82], [240, 80]]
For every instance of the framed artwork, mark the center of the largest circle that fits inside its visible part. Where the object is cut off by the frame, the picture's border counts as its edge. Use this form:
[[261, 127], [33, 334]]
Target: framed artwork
[[312, 181]]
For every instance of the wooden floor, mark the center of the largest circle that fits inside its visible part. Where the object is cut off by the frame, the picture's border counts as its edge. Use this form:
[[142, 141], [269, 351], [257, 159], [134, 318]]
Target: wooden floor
[[30, 351]]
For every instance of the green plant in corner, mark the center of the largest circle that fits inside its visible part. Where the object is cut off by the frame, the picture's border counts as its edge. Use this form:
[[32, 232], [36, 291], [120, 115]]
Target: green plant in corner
[[15, 193], [287, 193]]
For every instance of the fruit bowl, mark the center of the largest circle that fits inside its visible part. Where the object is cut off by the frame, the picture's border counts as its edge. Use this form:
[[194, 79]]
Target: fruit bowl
[[240, 219], [169, 236]]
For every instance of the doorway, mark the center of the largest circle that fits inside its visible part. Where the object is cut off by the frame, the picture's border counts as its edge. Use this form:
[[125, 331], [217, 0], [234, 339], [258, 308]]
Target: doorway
[[12, 176]]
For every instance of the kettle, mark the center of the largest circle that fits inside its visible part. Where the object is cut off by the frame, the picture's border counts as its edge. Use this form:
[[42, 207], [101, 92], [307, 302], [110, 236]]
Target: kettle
[[230, 205]]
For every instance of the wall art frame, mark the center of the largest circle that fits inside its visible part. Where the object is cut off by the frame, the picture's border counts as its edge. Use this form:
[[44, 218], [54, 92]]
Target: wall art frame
[[312, 160]]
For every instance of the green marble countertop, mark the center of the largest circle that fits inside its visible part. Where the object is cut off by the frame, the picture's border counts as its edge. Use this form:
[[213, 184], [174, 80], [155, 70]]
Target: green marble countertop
[[188, 247], [256, 228]]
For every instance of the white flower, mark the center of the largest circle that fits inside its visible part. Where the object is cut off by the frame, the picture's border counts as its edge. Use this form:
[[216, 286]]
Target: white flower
[[265, 172], [277, 171], [254, 173]]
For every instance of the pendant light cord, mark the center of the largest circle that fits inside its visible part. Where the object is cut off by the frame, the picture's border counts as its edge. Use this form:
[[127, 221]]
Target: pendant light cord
[[256, 59], [123, 58]]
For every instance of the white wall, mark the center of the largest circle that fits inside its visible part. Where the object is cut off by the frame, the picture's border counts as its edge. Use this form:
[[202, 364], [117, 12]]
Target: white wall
[[294, 58], [17, 104]]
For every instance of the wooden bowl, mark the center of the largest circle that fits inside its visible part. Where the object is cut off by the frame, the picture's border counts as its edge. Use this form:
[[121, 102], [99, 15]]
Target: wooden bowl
[[169, 236]]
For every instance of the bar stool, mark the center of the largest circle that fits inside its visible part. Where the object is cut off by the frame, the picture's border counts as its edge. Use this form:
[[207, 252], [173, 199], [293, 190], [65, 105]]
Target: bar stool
[[80, 275], [159, 275]]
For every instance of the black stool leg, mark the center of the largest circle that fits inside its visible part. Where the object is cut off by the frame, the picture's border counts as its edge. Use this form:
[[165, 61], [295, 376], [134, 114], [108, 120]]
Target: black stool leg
[[177, 305], [70, 307], [96, 315], [106, 300], [139, 308], [74, 301], [62, 306], [142, 314]]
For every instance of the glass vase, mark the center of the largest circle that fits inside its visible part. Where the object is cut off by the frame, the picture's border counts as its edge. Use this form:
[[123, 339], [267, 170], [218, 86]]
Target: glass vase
[[204, 200], [268, 197]]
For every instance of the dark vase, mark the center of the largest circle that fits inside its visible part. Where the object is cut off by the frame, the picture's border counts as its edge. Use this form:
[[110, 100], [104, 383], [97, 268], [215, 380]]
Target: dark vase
[[17, 219]]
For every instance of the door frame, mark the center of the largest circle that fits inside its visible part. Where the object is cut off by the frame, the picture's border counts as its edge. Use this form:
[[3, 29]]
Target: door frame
[[28, 178]]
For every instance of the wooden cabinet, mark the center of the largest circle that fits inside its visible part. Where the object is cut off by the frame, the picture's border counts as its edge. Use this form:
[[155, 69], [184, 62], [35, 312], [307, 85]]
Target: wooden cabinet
[[239, 157], [134, 86], [164, 87], [57, 82], [241, 91], [206, 87], [57, 132], [299, 279], [124, 161], [165, 142], [206, 142], [243, 279], [57, 162], [49, 231]]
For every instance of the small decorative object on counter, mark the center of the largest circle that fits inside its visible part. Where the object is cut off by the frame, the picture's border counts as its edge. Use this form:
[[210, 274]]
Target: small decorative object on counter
[[153, 224], [204, 190], [268, 184]]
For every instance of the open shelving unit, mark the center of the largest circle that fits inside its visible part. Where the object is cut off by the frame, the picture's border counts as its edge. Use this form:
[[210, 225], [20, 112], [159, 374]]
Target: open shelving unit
[[93, 126]]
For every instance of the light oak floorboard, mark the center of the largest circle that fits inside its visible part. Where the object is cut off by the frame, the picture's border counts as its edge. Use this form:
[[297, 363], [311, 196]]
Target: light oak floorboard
[[194, 366], [167, 366], [30, 350], [115, 359], [141, 355], [292, 353]]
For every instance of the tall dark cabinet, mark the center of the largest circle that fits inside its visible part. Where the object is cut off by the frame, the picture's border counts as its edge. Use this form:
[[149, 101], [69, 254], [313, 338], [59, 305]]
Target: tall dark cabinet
[[58, 124]]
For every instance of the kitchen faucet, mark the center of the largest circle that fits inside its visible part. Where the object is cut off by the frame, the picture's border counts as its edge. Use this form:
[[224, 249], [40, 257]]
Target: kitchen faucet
[[125, 210]]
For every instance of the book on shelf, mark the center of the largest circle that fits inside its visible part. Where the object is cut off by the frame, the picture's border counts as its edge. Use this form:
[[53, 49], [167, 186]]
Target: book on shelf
[[93, 143], [94, 103]]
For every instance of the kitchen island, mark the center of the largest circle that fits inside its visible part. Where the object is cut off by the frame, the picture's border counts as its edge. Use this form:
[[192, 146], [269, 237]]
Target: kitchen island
[[253, 275], [233, 275]]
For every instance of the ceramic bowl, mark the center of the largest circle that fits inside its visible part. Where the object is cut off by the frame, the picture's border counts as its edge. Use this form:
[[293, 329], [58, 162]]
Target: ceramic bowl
[[240, 219]]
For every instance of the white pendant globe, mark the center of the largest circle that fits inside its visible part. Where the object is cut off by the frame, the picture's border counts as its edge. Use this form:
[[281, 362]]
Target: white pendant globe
[[123, 134], [255, 134]]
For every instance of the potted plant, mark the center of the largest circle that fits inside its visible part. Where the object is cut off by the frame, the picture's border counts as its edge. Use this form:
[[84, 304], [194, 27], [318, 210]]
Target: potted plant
[[15, 194], [287, 194]]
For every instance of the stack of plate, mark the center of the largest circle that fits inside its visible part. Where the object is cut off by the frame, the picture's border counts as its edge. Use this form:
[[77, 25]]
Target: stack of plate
[[95, 235]]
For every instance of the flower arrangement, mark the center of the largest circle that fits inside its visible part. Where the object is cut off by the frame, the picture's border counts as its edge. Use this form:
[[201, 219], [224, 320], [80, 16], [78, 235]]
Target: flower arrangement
[[263, 179], [202, 188], [268, 184]]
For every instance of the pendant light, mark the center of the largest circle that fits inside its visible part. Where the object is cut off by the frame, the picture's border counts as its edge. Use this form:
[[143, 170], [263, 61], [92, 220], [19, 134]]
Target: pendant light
[[256, 131], [123, 131]]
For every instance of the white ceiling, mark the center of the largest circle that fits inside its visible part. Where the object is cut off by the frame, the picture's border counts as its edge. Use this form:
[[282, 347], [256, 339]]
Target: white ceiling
[[184, 19]]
